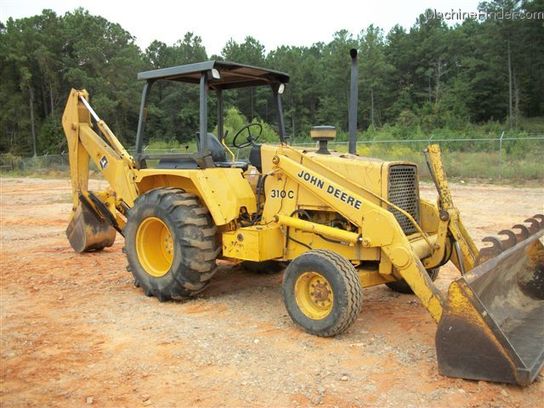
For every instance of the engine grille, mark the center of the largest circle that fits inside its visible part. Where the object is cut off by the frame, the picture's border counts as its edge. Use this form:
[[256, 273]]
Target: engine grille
[[403, 191]]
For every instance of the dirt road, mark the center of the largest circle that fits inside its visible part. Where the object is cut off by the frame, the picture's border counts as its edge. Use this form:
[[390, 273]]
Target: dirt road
[[75, 332]]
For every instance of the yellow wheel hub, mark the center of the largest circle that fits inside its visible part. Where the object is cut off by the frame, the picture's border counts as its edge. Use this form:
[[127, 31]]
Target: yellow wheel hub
[[154, 246], [313, 294]]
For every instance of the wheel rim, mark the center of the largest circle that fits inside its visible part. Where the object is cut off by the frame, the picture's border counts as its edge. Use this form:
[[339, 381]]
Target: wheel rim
[[154, 246], [313, 294]]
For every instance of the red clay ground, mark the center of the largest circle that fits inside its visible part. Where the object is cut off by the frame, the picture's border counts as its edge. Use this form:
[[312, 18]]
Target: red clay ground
[[75, 332]]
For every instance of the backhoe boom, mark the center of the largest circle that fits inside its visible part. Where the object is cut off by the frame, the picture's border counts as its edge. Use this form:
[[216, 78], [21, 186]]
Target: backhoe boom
[[89, 227]]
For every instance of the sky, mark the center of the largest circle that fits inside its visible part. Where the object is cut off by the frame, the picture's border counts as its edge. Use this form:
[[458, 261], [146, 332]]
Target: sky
[[273, 23]]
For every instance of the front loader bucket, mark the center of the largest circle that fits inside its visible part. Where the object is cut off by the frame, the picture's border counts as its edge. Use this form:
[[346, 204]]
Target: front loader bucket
[[87, 231], [492, 326]]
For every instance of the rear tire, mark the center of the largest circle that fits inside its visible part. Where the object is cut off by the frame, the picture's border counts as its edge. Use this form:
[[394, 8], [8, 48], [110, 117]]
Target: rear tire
[[322, 292], [171, 244], [401, 286]]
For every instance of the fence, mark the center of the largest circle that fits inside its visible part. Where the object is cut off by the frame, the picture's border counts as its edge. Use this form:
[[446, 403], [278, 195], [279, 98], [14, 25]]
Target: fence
[[492, 158], [37, 164], [503, 157]]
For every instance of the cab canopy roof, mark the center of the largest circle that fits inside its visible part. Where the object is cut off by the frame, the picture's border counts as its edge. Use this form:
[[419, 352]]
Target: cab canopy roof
[[232, 75]]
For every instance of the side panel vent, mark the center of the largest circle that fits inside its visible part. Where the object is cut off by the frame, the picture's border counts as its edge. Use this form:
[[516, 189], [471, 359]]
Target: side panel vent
[[403, 191]]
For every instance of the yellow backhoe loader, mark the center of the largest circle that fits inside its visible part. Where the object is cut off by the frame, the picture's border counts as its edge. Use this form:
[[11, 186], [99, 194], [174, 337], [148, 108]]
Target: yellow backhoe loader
[[342, 222]]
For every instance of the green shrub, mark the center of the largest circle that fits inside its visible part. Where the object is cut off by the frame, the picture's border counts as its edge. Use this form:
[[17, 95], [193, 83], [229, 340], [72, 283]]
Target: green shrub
[[234, 121], [10, 162]]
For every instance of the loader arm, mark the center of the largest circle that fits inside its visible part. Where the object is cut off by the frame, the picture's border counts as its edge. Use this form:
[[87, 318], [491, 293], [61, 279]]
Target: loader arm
[[377, 226], [94, 216], [465, 251]]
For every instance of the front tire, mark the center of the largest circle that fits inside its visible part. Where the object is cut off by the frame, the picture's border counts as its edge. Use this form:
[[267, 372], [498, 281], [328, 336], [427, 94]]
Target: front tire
[[322, 292], [171, 244]]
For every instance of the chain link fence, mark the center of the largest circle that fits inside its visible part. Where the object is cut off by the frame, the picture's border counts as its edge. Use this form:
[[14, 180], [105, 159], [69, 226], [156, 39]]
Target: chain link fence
[[37, 164], [498, 158], [493, 158]]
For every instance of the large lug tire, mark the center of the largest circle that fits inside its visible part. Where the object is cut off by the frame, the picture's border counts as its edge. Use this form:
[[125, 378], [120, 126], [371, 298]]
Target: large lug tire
[[264, 267], [402, 287], [322, 292], [171, 244]]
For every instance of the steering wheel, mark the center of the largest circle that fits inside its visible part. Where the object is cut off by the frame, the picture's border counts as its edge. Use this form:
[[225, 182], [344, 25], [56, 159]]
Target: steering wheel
[[250, 138]]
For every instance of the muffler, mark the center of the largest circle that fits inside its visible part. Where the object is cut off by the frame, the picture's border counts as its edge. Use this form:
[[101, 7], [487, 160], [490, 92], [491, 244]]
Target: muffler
[[89, 230], [492, 327]]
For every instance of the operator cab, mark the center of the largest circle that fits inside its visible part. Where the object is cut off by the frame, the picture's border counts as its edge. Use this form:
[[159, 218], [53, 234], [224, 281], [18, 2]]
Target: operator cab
[[216, 77]]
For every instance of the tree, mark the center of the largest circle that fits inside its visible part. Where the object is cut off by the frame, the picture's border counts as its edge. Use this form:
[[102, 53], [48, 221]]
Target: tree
[[374, 71], [506, 31], [426, 77], [173, 110], [251, 102], [335, 76]]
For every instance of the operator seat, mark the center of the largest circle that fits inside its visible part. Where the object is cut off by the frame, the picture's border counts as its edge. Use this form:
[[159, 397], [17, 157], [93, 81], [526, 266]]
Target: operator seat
[[255, 158], [219, 153]]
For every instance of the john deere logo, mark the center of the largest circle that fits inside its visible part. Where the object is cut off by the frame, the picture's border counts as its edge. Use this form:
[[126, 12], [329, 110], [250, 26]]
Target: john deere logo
[[332, 190], [103, 162]]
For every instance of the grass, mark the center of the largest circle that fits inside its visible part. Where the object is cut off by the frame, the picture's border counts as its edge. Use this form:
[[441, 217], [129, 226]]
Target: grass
[[522, 165], [485, 166]]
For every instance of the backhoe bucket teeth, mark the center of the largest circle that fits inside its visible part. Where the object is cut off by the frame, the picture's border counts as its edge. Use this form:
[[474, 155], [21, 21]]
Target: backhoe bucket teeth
[[492, 327], [87, 231]]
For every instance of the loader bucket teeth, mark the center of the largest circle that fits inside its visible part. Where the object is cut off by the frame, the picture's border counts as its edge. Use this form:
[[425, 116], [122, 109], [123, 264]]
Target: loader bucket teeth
[[87, 231], [510, 239], [540, 219], [522, 232], [490, 251], [534, 225], [492, 327]]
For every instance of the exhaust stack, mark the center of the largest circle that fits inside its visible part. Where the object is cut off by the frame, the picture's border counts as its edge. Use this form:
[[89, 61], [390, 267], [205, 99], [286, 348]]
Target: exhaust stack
[[353, 96]]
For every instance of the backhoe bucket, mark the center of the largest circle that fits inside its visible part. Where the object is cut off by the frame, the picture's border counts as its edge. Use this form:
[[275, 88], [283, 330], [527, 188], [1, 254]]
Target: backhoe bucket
[[87, 231], [492, 327]]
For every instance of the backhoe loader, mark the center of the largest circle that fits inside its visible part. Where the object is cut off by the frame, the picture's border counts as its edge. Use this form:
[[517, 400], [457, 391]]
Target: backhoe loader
[[341, 221]]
